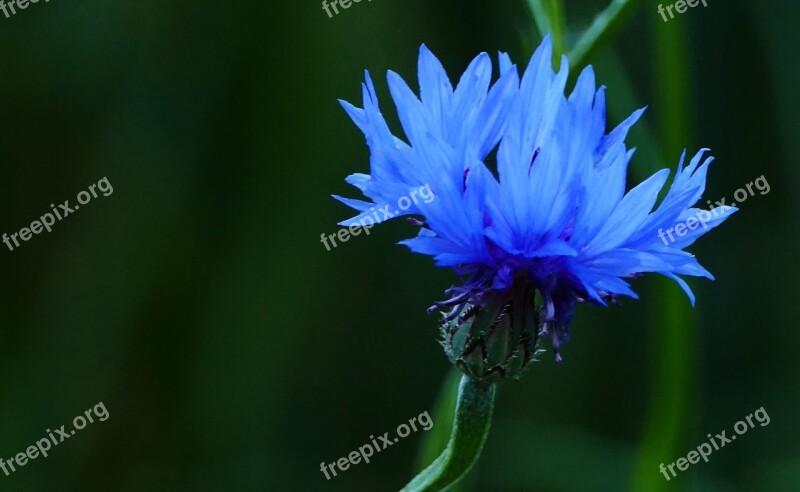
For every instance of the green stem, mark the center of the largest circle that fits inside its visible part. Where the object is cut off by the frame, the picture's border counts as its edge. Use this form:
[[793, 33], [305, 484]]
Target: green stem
[[605, 25], [674, 326], [470, 428], [539, 16], [435, 440], [558, 27], [549, 18]]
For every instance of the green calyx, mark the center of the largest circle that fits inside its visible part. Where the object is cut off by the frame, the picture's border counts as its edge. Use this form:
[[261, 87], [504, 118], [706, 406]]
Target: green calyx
[[497, 339]]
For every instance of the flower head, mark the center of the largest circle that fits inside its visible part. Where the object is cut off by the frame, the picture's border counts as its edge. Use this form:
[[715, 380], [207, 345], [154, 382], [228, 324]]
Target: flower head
[[553, 215]]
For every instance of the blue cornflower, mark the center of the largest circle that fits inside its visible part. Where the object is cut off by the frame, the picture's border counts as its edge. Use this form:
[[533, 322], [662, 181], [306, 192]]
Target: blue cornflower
[[550, 227]]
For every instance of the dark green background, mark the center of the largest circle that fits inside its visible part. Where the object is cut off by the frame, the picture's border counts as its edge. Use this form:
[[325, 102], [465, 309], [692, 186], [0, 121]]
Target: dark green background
[[234, 352]]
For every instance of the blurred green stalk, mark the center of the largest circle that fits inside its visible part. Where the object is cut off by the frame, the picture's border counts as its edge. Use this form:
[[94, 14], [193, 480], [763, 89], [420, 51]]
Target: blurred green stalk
[[673, 325], [549, 18], [603, 28]]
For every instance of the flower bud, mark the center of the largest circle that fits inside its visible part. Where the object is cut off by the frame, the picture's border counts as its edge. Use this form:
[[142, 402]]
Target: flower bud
[[495, 339]]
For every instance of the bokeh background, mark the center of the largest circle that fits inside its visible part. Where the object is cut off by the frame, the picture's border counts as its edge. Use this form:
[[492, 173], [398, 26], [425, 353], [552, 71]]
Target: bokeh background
[[233, 352]]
